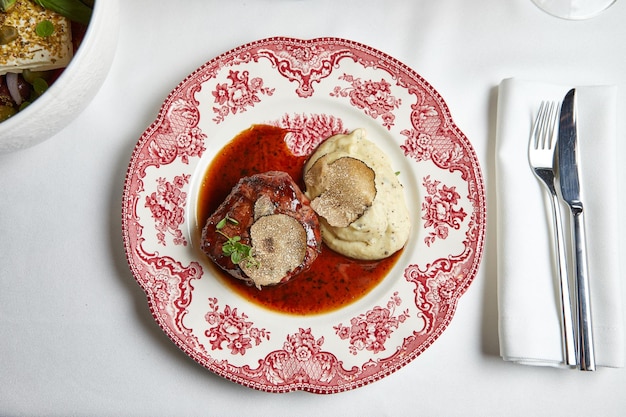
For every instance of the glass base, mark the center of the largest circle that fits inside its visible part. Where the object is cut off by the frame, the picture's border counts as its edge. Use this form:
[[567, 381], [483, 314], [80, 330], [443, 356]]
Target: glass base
[[574, 9]]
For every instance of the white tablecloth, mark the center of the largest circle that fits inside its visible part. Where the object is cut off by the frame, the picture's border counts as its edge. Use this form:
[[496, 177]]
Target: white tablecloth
[[76, 336]]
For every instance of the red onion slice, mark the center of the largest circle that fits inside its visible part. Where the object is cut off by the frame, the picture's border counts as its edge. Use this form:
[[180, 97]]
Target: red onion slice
[[14, 90]]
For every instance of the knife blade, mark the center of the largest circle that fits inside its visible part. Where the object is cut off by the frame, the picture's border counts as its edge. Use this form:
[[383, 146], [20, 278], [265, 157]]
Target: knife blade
[[568, 150]]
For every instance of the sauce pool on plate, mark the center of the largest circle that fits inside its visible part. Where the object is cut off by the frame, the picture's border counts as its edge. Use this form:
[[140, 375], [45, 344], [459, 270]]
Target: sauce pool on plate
[[334, 280]]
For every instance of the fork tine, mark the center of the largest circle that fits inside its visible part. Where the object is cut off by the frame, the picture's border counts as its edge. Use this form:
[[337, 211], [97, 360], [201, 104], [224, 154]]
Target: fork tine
[[555, 120], [547, 129], [550, 129], [537, 126], [544, 128]]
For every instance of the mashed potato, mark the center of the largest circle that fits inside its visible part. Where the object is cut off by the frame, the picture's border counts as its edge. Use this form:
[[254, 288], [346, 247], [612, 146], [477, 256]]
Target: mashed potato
[[361, 204]]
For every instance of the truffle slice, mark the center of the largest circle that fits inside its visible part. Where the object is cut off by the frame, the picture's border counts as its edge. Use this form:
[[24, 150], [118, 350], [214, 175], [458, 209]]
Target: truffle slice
[[347, 189], [275, 253]]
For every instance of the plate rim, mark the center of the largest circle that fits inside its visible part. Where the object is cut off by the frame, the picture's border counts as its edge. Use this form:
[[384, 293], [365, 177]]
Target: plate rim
[[479, 206]]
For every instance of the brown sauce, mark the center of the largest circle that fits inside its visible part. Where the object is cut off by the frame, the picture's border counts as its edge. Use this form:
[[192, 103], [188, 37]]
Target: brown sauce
[[334, 280]]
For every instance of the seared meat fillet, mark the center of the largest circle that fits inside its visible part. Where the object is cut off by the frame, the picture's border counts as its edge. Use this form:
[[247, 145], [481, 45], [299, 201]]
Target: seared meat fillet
[[270, 216]]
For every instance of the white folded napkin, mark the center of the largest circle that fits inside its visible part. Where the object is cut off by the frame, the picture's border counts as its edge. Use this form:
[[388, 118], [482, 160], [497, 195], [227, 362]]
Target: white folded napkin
[[528, 307]]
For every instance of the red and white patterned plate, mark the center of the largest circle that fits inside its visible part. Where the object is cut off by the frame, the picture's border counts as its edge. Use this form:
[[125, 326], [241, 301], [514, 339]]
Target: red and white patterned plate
[[315, 88]]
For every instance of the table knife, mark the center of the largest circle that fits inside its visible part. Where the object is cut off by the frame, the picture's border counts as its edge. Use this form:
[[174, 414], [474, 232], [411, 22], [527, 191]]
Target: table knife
[[568, 151]]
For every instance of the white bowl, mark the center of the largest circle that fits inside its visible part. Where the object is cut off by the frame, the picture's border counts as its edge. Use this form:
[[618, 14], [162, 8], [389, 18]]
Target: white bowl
[[73, 90]]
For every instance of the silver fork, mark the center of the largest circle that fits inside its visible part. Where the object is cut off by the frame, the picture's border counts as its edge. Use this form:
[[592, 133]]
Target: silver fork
[[541, 152]]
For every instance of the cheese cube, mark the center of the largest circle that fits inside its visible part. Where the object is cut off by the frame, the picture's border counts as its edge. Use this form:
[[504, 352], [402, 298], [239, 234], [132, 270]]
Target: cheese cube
[[30, 50]]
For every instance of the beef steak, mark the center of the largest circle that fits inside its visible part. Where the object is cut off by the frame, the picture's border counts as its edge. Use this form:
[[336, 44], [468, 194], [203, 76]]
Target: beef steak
[[268, 223]]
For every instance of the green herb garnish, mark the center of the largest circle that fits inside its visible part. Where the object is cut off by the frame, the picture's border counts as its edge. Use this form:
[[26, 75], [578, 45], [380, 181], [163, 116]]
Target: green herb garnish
[[237, 251], [222, 223], [74, 10], [44, 28], [5, 5]]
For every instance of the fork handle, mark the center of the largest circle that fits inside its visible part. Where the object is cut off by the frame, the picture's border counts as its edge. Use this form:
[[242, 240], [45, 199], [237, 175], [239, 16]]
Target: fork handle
[[585, 335], [569, 344]]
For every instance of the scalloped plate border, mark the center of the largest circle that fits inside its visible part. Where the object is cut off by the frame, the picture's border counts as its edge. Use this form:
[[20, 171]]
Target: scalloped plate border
[[315, 88]]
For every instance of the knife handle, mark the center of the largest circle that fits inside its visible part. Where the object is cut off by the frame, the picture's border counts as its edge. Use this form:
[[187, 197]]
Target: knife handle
[[583, 306], [568, 337]]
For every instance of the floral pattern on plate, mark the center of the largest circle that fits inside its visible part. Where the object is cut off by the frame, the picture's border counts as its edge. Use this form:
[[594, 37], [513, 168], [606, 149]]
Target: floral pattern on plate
[[315, 88]]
